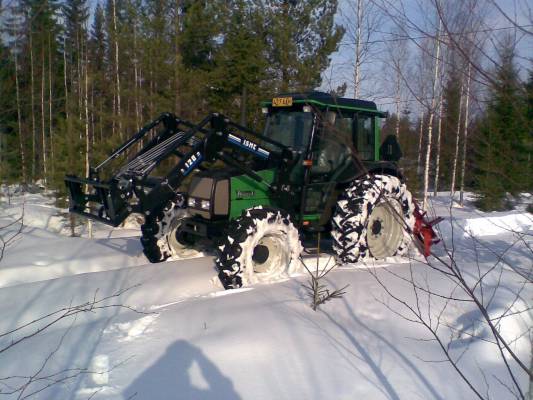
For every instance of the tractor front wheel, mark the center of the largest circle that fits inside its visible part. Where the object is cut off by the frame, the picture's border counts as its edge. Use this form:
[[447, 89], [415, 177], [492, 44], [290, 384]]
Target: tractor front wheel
[[261, 245], [374, 218], [160, 232]]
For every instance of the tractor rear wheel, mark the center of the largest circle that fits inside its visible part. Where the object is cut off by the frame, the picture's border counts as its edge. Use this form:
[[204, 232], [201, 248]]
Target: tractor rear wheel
[[374, 218], [261, 245], [160, 232]]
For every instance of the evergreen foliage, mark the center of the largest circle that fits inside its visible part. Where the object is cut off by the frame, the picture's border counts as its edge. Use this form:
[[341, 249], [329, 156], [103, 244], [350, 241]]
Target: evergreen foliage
[[502, 153], [184, 56]]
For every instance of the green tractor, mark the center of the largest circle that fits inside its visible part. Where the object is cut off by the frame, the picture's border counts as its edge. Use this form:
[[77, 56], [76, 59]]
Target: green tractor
[[318, 167]]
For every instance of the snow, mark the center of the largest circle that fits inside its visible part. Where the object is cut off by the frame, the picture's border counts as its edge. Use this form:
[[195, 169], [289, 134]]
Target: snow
[[182, 336]]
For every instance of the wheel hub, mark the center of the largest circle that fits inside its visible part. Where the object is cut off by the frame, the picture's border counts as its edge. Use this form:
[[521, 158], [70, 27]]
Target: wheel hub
[[385, 231], [376, 227], [260, 254], [270, 254]]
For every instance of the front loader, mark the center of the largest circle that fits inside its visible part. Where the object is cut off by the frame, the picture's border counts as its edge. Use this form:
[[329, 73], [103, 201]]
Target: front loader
[[317, 167]]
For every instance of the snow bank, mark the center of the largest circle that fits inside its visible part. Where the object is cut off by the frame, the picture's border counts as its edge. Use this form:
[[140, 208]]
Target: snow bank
[[486, 226], [190, 339]]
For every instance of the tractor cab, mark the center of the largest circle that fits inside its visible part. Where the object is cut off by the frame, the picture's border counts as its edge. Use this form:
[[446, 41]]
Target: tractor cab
[[333, 134], [335, 141]]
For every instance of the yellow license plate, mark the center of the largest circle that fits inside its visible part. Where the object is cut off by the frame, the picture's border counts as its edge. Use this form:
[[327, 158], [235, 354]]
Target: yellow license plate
[[282, 102]]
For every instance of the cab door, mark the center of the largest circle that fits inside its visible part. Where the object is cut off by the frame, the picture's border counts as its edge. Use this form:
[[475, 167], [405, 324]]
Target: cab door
[[333, 161]]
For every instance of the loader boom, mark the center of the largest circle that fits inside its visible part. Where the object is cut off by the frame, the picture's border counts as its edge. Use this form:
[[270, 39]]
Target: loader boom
[[132, 189]]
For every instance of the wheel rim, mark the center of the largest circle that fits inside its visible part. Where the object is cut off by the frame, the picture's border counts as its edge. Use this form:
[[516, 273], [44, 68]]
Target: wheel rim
[[270, 254], [173, 243], [175, 246], [385, 229]]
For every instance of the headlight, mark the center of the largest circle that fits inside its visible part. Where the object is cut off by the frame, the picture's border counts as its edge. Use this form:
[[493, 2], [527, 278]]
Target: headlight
[[205, 204], [191, 202]]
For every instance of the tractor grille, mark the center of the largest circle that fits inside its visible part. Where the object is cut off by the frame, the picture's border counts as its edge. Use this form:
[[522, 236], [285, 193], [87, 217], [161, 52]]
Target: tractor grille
[[213, 190]]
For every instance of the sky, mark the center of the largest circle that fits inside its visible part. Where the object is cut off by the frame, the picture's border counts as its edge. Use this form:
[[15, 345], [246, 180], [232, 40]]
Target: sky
[[376, 84]]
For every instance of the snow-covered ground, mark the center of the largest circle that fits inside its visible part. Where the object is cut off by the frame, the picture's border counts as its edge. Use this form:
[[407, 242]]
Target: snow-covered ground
[[173, 333]]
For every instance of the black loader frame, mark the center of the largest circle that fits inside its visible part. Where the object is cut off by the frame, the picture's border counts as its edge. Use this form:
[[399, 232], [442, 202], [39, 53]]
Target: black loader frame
[[202, 142]]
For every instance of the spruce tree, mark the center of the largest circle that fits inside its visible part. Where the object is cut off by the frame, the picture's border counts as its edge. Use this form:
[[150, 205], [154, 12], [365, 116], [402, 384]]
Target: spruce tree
[[501, 152], [301, 35], [240, 64]]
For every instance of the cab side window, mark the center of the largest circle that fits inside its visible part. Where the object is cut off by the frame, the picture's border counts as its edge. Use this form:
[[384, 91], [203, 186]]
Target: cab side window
[[333, 148], [364, 137]]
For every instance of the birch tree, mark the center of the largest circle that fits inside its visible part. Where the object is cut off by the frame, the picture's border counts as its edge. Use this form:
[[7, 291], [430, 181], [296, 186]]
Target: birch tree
[[457, 139], [117, 67], [362, 20], [432, 110], [465, 137]]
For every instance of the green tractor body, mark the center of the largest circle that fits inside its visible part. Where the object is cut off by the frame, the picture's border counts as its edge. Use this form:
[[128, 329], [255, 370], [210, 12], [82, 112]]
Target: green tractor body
[[334, 140]]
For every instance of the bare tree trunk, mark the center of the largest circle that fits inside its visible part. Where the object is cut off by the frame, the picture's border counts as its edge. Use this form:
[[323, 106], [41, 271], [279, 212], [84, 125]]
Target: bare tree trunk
[[431, 116], [80, 76], [136, 78], [357, 72], [50, 124], [463, 161], [114, 121], [177, 59], [117, 69], [72, 219], [65, 83], [100, 123], [93, 127], [43, 127], [151, 90], [420, 135], [19, 121], [457, 136], [32, 101], [87, 135], [397, 101], [437, 156]]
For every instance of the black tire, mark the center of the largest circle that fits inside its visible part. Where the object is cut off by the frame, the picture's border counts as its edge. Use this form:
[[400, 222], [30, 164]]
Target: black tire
[[242, 259], [359, 233], [157, 228]]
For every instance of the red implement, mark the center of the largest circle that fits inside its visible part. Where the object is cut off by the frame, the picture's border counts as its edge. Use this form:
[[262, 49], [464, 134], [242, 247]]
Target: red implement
[[423, 230]]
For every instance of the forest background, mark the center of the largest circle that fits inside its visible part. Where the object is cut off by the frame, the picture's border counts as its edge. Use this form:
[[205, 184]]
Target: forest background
[[77, 77]]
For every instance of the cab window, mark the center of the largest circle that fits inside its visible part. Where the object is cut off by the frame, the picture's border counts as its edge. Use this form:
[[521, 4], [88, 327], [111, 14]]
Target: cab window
[[364, 137], [290, 128], [333, 147]]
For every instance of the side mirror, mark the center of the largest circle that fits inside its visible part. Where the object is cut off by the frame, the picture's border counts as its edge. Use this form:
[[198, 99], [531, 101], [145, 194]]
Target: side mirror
[[390, 149]]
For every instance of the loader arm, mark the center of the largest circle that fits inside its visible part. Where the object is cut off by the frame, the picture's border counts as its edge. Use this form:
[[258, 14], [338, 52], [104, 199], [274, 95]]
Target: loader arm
[[131, 189]]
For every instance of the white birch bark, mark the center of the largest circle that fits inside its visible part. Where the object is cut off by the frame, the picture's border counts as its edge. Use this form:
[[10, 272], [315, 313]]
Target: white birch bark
[[19, 120], [465, 138], [50, 124], [457, 136], [437, 156], [65, 83], [357, 71], [117, 69], [397, 101], [43, 125], [32, 101], [420, 136], [136, 78], [431, 116], [87, 135]]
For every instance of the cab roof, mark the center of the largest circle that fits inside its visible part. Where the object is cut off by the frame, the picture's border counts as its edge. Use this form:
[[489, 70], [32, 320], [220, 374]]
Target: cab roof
[[323, 99]]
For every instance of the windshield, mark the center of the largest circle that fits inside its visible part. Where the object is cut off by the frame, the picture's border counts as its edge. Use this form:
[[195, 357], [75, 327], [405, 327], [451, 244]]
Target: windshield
[[291, 128]]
